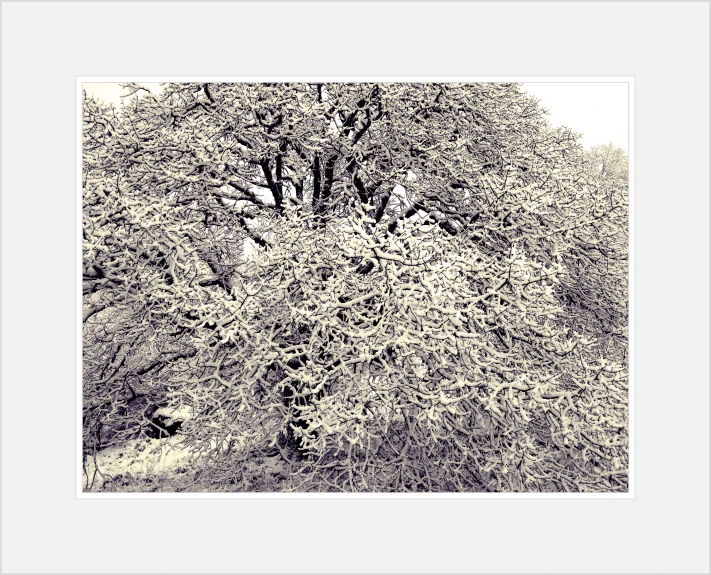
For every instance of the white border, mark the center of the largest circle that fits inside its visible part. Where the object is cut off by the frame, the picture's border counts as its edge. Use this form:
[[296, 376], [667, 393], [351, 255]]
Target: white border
[[80, 494]]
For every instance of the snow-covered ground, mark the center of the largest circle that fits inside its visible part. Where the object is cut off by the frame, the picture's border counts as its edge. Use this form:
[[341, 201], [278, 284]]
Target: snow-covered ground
[[146, 465], [139, 459]]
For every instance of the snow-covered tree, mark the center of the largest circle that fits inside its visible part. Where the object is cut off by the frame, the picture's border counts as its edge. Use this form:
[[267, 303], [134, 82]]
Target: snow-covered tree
[[392, 286]]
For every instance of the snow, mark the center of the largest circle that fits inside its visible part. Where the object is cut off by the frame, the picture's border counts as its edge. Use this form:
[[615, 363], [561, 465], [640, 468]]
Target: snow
[[138, 458], [182, 413]]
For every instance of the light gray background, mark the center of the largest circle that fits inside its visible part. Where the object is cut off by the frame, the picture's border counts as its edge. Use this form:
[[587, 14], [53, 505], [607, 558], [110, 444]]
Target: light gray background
[[46, 529]]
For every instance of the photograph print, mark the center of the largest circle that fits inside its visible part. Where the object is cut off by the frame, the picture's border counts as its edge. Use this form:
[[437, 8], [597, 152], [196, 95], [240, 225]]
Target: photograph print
[[354, 287]]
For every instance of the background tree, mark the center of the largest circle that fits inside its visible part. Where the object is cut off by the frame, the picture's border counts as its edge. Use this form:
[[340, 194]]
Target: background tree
[[391, 286]]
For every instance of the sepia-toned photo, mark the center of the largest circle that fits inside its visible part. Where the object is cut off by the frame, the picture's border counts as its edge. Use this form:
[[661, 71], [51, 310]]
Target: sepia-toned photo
[[355, 287]]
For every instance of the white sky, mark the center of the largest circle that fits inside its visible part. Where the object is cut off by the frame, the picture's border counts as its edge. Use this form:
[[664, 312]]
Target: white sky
[[597, 110], [111, 92]]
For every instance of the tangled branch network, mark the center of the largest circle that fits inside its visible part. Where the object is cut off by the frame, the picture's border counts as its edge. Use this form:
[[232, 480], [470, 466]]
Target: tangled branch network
[[386, 287]]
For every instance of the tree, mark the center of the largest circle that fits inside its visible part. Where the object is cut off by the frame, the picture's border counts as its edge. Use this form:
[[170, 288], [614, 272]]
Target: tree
[[391, 286]]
